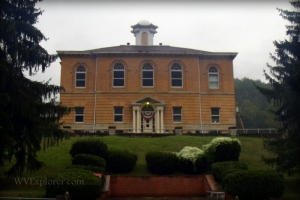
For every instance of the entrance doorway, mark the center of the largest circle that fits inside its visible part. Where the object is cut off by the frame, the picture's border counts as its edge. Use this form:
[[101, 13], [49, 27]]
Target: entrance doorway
[[148, 119]]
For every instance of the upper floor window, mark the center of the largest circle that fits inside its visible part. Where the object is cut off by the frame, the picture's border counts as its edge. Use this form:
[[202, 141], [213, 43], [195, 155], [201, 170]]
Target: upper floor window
[[177, 114], [118, 75], [80, 77], [147, 75], [213, 77], [79, 114], [176, 76]]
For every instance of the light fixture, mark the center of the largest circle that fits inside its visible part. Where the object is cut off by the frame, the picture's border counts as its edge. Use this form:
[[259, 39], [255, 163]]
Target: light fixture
[[147, 103]]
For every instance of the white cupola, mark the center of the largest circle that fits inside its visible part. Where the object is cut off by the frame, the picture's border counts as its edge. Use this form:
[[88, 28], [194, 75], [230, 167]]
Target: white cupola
[[144, 32]]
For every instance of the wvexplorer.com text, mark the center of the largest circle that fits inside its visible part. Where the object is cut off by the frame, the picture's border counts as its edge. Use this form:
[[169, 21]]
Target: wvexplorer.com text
[[42, 182]]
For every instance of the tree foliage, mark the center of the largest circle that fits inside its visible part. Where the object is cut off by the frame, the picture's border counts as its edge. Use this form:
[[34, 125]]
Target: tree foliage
[[254, 108], [284, 78], [27, 121]]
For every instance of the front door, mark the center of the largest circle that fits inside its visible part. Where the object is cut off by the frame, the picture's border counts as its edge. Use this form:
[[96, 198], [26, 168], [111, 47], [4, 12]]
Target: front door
[[147, 119]]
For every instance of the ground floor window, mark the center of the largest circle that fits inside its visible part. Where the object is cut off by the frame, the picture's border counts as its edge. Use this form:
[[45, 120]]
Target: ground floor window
[[215, 115], [118, 114], [177, 114], [79, 114]]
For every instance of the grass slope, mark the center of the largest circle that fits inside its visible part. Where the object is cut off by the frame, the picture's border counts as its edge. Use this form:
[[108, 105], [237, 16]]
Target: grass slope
[[56, 158]]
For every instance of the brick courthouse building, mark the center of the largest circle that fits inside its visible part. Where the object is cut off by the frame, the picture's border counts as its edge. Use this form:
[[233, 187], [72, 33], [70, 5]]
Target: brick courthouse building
[[146, 88]]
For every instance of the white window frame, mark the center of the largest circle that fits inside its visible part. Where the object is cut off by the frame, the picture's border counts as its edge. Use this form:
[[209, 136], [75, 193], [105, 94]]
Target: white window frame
[[215, 115], [80, 70], [118, 67], [79, 114], [176, 114], [146, 68], [118, 114], [176, 68], [213, 72]]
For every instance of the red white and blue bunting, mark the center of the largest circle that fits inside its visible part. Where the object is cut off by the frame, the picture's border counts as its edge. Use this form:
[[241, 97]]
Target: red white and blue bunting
[[147, 115]]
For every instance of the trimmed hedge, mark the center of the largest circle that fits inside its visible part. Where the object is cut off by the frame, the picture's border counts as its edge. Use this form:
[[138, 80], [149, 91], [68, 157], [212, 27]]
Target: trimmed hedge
[[222, 149], [161, 163], [120, 161], [89, 146], [88, 160], [89, 168], [255, 184], [81, 184], [221, 169], [189, 167], [192, 160]]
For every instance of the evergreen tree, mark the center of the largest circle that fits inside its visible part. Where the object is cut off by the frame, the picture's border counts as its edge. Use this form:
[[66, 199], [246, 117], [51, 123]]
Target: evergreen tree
[[27, 121], [285, 93]]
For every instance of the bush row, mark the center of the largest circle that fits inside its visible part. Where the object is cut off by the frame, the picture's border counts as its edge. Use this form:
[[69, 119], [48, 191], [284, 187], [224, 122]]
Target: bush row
[[192, 160], [116, 161], [89, 156], [120, 161], [222, 149], [254, 184], [161, 162], [220, 169], [89, 146], [248, 184], [93, 169], [88, 160], [81, 184]]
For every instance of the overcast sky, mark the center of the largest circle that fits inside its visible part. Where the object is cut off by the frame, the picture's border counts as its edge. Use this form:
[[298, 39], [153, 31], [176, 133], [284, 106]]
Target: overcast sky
[[248, 27]]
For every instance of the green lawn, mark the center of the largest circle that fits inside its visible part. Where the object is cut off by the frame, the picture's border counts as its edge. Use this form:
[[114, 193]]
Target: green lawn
[[56, 158]]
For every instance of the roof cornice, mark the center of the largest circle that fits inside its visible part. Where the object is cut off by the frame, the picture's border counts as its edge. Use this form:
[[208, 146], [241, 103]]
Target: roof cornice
[[137, 50]]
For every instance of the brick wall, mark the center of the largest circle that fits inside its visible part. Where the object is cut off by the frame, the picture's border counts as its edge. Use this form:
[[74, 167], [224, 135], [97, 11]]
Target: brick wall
[[155, 186]]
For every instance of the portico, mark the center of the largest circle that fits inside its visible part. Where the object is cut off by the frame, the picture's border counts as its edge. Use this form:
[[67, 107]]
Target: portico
[[148, 115]]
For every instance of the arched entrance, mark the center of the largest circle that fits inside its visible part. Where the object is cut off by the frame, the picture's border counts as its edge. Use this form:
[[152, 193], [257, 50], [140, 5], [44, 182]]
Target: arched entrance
[[148, 115], [147, 119]]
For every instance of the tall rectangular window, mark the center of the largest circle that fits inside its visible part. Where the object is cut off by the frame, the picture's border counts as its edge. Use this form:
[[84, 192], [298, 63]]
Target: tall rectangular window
[[79, 114], [213, 78], [176, 75], [118, 75], [80, 77], [215, 115], [118, 114], [177, 114], [147, 76]]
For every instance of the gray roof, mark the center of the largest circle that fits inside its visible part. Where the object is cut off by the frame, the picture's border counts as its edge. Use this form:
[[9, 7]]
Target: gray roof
[[147, 50]]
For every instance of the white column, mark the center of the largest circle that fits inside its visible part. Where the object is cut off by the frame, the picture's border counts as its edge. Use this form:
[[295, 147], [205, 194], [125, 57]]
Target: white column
[[157, 127], [134, 120], [162, 120], [138, 116]]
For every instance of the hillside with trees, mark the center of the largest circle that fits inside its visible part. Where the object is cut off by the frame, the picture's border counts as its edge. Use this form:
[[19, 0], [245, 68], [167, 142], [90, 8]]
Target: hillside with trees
[[254, 108]]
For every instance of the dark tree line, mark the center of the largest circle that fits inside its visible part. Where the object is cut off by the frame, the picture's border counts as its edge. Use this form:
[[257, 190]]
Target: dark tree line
[[254, 108]]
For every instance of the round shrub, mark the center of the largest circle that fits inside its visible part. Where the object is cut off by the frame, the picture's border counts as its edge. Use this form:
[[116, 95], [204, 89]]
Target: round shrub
[[222, 149], [81, 184], [255, 184], [88, 160], [120, 161], [161, 163], [220, 169], [89, 146], [192, 160], [89, 168]]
